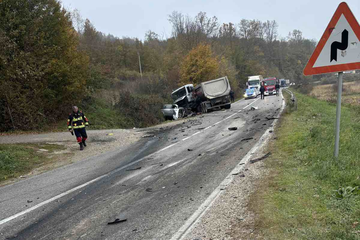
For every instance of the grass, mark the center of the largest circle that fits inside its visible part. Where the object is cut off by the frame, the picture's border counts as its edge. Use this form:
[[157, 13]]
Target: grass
[[309, 194], [328, 92], [20, 159]]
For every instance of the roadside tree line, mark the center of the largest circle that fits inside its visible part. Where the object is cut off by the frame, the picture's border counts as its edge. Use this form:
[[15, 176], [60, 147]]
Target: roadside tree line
[[51, 58]]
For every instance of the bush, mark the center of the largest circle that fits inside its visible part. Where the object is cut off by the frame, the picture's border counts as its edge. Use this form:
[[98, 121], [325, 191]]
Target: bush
[[141, 110]]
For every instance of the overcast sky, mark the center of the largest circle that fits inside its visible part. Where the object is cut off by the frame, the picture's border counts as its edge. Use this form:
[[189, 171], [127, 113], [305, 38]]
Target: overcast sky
[[133, 18]]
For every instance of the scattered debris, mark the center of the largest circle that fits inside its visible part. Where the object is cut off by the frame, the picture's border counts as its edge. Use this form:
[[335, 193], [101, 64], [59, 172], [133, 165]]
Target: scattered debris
[[199, 155], [270, 131], [254, 108], [189, 149], [148, 136], [202, 128], [237, 117], [134, 230], [29, 201], [149, 190], [260, 158], [242, 175], [246, 139], [271, 118], [133, 169], [110, 134], [232, 128], [117, 221]]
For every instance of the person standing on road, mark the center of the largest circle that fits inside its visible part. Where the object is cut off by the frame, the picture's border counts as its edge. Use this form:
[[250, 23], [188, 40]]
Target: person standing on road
[[262, 90], [232, 96], [77, 122], [277, 88]]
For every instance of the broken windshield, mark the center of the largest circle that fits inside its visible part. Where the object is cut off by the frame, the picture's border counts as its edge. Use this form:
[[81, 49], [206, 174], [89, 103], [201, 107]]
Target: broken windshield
[[178, 94]]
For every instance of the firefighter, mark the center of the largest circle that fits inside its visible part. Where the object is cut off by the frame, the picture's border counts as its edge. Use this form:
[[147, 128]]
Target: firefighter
[[77, 122]]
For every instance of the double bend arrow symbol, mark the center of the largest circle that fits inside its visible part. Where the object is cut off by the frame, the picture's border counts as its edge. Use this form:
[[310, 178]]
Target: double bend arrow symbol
[[339, 45]]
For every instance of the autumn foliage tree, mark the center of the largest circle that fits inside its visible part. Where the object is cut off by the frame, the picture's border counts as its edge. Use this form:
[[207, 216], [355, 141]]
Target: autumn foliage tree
[[199, 65], [41, 71]]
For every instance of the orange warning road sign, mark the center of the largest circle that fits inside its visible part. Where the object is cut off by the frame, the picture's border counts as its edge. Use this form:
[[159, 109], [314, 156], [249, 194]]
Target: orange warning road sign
[[339, 47]]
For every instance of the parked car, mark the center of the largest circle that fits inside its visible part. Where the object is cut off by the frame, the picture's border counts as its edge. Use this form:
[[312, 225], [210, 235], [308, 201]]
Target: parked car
[[172, 112]]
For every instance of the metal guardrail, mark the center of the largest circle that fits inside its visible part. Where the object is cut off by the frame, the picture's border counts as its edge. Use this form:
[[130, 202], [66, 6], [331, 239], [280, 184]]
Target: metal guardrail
[[293, 101]]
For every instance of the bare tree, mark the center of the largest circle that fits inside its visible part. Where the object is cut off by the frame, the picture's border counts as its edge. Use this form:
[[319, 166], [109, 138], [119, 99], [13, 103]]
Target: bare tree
[[244, 28], [77, 20], [270, 30]]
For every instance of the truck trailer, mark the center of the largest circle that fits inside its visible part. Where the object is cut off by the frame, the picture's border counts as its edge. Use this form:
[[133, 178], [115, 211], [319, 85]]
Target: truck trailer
[[213, 94]]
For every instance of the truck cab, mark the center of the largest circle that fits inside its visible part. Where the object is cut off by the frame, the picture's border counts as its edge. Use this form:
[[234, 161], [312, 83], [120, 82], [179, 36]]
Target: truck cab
[[183, 96], [269, 84], [254, 83]]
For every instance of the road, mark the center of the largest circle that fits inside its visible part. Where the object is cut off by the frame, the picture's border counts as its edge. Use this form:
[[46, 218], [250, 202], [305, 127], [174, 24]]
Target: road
[[156, 183]]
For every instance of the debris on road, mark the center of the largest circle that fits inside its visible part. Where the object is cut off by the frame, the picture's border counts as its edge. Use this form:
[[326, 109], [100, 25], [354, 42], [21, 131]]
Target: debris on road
[[246, 139], [149, 190], [254, 108], [117, 221], [29, 201], [271, 118], [260, 158], [133, 169], [232, 128], [148, 136], [189, 149]]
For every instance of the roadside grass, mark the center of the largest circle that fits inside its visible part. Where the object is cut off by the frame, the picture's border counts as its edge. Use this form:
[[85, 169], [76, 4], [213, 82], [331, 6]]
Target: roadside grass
[[309, 194], [20, 159]]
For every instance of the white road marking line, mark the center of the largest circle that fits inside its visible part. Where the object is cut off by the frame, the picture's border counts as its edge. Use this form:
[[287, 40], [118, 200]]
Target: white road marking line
[[184, 139], [166, 147], [50, 200], [195, 134], [98, 178], [251, 103]]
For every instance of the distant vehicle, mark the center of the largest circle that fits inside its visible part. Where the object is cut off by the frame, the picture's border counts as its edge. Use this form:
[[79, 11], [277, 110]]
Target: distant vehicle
[[282, 83], [269, 84], [172, 112], [213, 94], [251, 93], [254, 81]]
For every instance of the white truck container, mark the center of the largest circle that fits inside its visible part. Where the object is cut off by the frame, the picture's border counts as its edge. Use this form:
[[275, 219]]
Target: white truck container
[[213, 94]]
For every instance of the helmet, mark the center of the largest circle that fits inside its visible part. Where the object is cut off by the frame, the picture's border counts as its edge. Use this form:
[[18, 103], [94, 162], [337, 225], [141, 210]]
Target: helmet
[[75, 109]]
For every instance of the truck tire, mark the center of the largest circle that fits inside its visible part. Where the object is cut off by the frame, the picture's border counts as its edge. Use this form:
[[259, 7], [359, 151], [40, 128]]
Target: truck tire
[[228, 106], [204, 108]]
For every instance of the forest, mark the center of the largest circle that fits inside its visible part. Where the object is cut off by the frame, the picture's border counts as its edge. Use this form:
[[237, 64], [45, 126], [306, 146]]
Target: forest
[[51, 58]]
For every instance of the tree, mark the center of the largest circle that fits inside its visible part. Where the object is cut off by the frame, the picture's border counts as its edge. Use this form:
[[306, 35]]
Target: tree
[[41, 71], [199, 65]]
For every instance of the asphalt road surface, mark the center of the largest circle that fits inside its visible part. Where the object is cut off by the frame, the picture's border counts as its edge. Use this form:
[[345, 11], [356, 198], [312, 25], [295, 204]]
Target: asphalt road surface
[[155, 184]]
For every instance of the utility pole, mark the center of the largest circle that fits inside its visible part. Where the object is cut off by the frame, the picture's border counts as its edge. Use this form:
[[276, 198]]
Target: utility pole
[[140, 64]]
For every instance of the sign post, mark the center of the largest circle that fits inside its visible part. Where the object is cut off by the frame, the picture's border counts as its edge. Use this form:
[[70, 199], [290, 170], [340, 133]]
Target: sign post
[[338, 50], [338, 114]]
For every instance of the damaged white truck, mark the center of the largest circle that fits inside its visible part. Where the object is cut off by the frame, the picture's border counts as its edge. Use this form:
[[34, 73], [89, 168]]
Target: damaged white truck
[[204, 97]]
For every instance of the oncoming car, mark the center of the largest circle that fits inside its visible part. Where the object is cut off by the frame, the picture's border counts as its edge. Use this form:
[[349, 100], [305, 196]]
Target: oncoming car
[[172, 112]]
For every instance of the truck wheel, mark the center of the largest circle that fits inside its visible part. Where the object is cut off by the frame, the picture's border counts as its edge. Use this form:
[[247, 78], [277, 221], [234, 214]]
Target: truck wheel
[[204, 108], [228, 106]]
